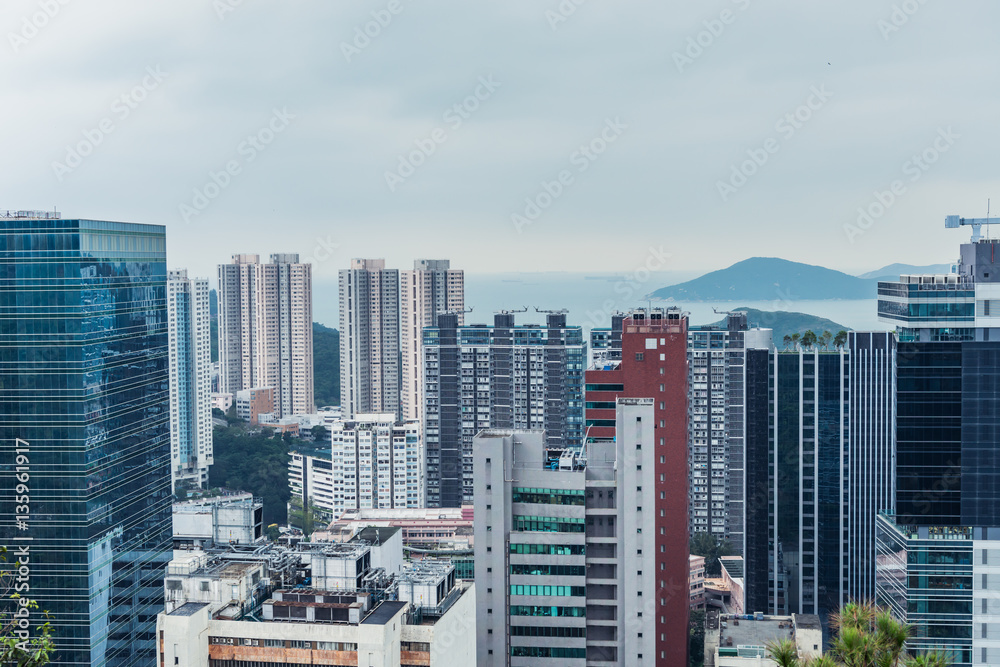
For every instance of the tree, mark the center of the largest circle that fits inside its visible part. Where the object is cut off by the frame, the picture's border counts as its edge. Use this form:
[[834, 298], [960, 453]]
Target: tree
[[320, 433], [696, 638], [252, 461], [866, 636], [787, 340], [808, 339], [326, 365], [840, 340], [795, 339], [14, 649], [826, 338], [304, 519], [272, 532], [712, 548]]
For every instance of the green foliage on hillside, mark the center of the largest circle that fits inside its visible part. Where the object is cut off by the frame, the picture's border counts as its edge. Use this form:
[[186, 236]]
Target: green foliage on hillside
[[326, 365], [253, 461], [785, 323]]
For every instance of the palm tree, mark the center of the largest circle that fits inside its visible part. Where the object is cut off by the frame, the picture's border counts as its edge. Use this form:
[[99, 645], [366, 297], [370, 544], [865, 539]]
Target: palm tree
[[866, 636]]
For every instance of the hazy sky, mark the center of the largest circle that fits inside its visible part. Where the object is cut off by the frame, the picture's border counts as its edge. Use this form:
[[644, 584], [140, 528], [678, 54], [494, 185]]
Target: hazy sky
[[121, 110]]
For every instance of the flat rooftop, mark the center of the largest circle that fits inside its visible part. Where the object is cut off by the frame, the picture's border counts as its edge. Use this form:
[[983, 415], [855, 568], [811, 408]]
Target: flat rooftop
[[384, 613], [189, 609], [756, 633]]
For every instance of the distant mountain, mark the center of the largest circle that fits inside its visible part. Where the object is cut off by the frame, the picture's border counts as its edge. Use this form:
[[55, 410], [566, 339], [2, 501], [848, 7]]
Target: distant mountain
[[893, 271], [770, 279], [787, 323]]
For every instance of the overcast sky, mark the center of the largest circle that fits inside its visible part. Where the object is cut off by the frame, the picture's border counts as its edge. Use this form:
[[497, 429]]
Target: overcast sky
[[667, 97]]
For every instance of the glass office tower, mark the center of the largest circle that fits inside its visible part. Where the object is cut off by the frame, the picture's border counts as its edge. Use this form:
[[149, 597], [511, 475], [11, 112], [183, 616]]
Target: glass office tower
[[84, 429]]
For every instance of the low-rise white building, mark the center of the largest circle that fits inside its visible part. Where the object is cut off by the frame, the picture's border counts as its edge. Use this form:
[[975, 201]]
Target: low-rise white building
[[363, 606], [741, 640], [221, 520]]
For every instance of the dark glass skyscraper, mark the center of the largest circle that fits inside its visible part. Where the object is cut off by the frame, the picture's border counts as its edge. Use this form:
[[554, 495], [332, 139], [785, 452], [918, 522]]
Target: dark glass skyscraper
[[84, 429]]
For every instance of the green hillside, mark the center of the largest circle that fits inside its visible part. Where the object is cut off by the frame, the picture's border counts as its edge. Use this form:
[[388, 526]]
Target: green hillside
[[326, 365], [787, 323]]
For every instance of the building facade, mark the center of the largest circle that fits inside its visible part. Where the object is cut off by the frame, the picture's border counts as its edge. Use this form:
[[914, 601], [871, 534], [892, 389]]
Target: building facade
[[85, 424], [189, 325], [564, 558], [942, 581], [432, 288], [253, 402], [819, 468], [265, 329], [244, 607], [377, 462], [369, 338], [504, 376], [653, 364], [946, 472]]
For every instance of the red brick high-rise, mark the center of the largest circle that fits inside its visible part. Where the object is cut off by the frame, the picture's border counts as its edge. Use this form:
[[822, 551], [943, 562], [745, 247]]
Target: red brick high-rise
[[654, 365]]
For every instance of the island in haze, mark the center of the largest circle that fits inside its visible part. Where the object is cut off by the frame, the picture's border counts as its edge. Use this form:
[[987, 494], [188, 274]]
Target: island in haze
[[776, 279]]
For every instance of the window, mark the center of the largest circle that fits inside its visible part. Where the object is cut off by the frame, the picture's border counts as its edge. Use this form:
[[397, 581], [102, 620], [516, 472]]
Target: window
[[639, 356], [204, 586], [350, 646]]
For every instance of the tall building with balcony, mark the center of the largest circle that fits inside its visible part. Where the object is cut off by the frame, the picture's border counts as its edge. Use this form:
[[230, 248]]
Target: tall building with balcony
[[946, 473], [716, 379], [189, 326], [943, 581], [505, 376], [85, 431], [265, 329], [565, 559], [377, 462], [653, 364], [369, 338], [432, 288]]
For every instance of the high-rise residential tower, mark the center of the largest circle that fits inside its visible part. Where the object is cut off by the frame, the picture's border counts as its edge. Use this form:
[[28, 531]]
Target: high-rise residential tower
[[506, 376], [84, 431], [377, 462], [716, 358], [189, 325], [369, 338], [653, 364], [265, 329], [566, 555], [430, 289]]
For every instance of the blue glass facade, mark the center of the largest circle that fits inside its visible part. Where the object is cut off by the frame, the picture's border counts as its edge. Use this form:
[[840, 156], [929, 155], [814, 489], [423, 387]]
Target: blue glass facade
[[84, 403], [925, 577]]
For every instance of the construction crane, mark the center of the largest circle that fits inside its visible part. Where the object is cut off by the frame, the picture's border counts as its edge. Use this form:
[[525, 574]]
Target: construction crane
[[954, 222]]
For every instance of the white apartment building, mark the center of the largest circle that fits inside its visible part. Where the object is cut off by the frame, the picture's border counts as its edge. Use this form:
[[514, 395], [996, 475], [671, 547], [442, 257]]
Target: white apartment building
[[190, 346], [377, 463], [265, 329], [374, 462], [430, 289]]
